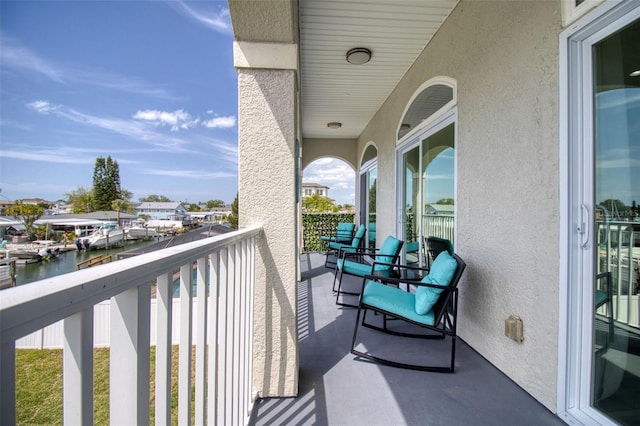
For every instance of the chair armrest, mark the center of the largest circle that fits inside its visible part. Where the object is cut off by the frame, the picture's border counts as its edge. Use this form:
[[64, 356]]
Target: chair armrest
[[396, 281], [358, 252]]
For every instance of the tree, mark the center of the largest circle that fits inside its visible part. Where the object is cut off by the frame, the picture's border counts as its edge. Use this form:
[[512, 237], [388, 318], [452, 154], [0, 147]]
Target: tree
[[154, 199], [194, 208], [233, 217], [125, 195], [317, 203], [106, 183], [614, 207], [121, 205], [81, 200], [215, 203], [372, 196], [445, 201], [26, 213]]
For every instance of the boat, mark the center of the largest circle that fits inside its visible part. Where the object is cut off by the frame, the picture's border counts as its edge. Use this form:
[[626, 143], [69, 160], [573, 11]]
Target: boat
[[48, 253], [140, 231], [106, 235]]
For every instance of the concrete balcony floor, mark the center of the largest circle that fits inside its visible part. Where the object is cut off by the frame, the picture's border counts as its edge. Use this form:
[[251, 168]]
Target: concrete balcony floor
[[336, 388]]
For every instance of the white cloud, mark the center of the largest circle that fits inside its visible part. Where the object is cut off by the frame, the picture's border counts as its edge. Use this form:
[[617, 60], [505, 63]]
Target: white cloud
[[334, 173], [224, 150], [60, 154], [220, 122], [219, 21], [178, 119], [16, 57], [47, 156], [189, 174], [20, 58], [43, 107], [138, 130]]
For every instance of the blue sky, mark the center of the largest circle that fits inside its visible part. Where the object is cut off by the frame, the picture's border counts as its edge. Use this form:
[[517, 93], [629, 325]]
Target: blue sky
[[149, 83]]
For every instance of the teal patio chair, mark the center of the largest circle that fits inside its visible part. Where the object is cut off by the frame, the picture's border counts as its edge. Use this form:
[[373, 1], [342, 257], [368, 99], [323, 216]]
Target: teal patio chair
[[430, 312], [361, 262], [344, 234], [336, 248], [435, 246]]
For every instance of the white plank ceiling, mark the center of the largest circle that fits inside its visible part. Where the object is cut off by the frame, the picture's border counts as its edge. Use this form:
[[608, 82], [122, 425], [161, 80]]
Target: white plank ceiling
[[396, 31]]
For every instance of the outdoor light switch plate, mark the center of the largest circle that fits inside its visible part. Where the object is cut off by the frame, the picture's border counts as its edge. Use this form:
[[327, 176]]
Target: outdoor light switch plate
[[513, 328]]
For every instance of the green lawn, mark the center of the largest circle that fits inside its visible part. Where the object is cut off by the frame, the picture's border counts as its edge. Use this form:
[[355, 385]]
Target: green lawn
[[39, 386]]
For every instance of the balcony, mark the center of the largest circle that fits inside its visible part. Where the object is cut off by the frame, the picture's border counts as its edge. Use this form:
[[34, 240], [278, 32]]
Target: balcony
[[335, 388]]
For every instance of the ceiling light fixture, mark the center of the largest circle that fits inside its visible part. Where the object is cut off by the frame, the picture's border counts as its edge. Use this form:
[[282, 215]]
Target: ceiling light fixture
[[334, 125], [636, 73], [358, 55]]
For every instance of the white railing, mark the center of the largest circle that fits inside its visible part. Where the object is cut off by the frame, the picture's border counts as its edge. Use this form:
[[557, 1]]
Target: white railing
[[440, 226], [618, 247], [223, 343]]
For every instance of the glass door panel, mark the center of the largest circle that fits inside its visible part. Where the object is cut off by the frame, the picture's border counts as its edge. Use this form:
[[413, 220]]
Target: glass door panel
[[438, 185], [372, 180], [616, 329], [411, 185]]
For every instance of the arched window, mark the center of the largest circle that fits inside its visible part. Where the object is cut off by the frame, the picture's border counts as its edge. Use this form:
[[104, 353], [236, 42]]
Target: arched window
[[426, 104]]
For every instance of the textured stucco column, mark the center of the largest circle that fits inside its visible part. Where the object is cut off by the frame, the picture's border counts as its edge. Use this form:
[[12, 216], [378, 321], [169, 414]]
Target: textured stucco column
[[267, 187]]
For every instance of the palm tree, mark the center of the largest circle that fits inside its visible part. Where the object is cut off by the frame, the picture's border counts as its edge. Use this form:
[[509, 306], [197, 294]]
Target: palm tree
[[120, 205]]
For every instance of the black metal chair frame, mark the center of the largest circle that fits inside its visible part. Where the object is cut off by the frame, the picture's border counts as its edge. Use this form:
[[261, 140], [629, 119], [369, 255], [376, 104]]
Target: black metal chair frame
[[435, 246], [445, 318], [365, 256]]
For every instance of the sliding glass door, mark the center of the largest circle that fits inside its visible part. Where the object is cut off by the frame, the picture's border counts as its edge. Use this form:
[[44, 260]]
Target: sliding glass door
[[615, 328], [427, 193], [603, 369]]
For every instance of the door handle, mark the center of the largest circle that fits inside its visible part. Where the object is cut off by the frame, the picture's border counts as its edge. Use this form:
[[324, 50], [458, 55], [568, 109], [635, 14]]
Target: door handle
[[583, 226]]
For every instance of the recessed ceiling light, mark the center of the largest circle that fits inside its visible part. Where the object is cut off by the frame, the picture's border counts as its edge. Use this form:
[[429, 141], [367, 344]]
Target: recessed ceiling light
[[358, 55], [334, 125], [636, 73]]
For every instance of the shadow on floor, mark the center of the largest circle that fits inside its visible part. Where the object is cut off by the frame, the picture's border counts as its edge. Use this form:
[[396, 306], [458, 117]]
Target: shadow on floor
[[336, 388]]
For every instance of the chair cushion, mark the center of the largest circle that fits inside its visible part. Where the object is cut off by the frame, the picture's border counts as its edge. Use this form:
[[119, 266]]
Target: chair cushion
[[440, 274], [358, 237], [344, 233], [394, 301], [336, 246], [354, 268], [389, 250]]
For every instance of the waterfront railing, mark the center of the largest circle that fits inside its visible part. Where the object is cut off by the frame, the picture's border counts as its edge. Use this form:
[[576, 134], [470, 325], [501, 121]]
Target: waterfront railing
[[223, 267]]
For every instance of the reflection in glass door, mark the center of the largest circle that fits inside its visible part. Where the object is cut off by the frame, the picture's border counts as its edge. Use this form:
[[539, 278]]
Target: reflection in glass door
[[438, 187], [428, 191], [368, 191], [615, 380], [411, 185]]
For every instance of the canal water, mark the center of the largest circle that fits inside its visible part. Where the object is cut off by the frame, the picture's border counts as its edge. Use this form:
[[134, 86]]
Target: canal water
[[67, 262]]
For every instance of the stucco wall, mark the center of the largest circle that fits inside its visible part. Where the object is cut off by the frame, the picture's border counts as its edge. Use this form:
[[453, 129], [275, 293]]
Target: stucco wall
[[504, 56], [344, 149], [266, 141]]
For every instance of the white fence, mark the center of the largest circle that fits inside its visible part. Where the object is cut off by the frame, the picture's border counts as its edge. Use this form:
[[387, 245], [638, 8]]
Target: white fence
[[52, 336], [222, 337]]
